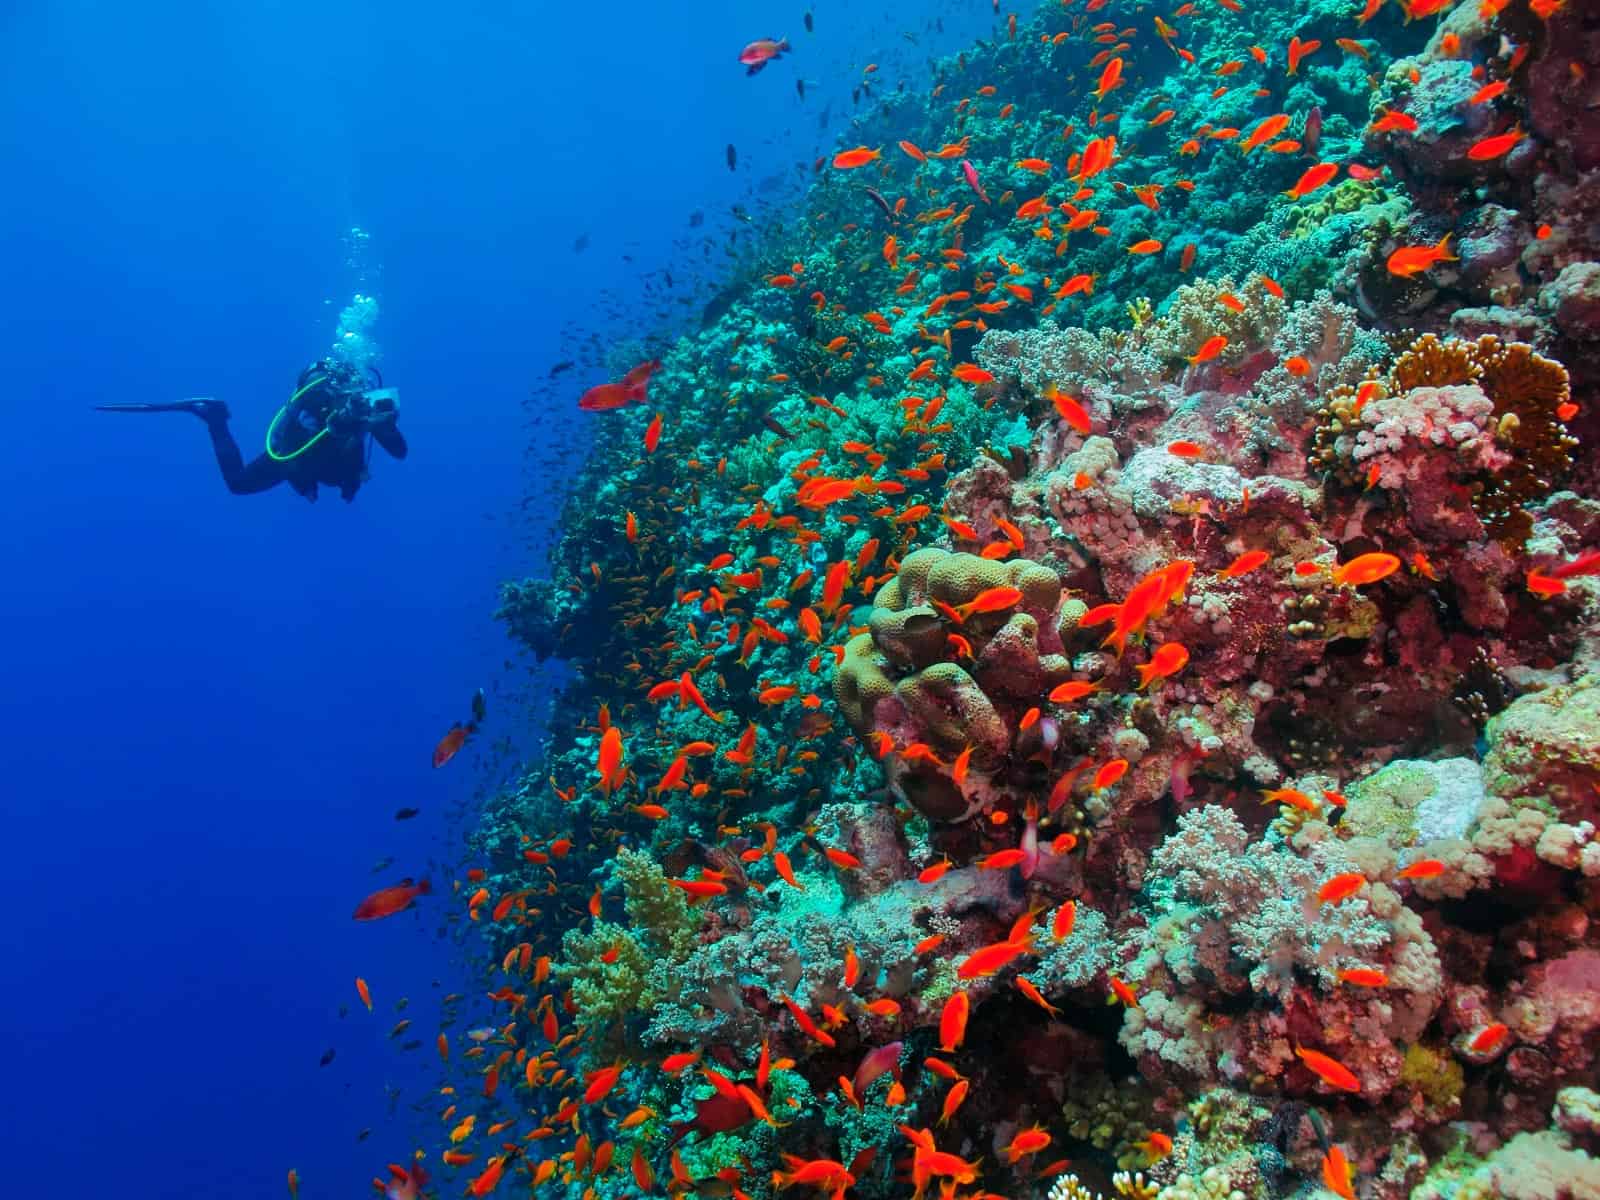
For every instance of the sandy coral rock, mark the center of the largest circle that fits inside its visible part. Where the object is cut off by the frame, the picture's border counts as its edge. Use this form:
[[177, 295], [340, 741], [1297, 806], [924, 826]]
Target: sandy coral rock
[[1578, 1111], [1573, 299], [1407, 802], [1547, 746], [1558, 1008]]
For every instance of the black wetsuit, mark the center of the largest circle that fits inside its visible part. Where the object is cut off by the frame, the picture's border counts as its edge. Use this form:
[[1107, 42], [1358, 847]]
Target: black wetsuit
[[338, 460]]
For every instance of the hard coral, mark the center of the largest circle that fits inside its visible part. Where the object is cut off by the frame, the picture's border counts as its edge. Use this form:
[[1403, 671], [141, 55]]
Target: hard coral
[[1493, 404], [911, 678]]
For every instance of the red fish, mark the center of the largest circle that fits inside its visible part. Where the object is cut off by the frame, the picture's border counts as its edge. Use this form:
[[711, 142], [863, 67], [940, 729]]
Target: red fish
[[451, 743], [760, 52], [970, 174], [633, 389], [390, 900]]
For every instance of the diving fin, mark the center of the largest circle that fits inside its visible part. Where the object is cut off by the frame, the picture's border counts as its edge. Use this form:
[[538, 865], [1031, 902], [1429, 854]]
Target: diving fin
[[205, 408]]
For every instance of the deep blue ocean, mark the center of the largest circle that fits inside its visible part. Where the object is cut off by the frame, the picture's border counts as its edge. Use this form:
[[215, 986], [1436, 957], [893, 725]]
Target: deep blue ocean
[[213, 705]]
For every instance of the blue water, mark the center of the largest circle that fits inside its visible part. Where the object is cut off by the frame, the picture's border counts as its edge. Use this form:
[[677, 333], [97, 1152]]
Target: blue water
[[214, 704]]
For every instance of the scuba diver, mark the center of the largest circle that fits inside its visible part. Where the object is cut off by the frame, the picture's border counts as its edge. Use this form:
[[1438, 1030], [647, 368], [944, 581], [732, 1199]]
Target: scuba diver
[[318, 436]]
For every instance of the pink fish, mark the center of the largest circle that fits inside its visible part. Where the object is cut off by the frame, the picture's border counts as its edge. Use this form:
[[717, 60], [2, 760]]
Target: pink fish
[[1030, 844], [1313, 130], [405, 1183], [760, 52], [875, 1063], [971, 173]]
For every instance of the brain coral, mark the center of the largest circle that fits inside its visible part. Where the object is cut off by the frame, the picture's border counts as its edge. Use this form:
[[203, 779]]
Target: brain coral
[[930, 672]]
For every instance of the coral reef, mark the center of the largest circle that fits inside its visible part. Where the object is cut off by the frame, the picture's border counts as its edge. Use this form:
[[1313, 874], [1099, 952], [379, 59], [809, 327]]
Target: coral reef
[[1092, 679]]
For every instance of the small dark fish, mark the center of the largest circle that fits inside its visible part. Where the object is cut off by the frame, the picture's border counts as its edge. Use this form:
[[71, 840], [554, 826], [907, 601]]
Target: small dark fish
[[696, 219], [411, 1045], [776, 426], [327, 1057], [582, 244], [810, 25], [888, 209], [399, 1028], [566, 364], [800, 87], [479, 705], [733, 157], [383, 864], [405, 814], [364, 1134]]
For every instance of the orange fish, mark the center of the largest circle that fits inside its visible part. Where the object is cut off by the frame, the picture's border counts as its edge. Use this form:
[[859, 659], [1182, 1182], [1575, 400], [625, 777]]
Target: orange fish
[[1186, 449], [990, 600], [1337, 1174], [1122, 993], [1243, 565], [971, 373], [1364, 977], [1264, 132], [1209, 349], [859, 157], [1493, 147], [953, 1021], [912, 150], [1409, 261], [361, 989], [1366, 568], [1147, 246], [1423, 868], [1109, 774], [1110, 79], [1330, 1070], [1168, 660], [1072, 690], [1298, 50], [988, 959], [1066, 916], [1395, 122], [1314, 178], [1341, 887], [1488, 92], [1027, 1141]]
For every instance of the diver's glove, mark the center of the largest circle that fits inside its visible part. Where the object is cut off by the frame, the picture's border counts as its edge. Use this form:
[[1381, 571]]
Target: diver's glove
[[385, 411]]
